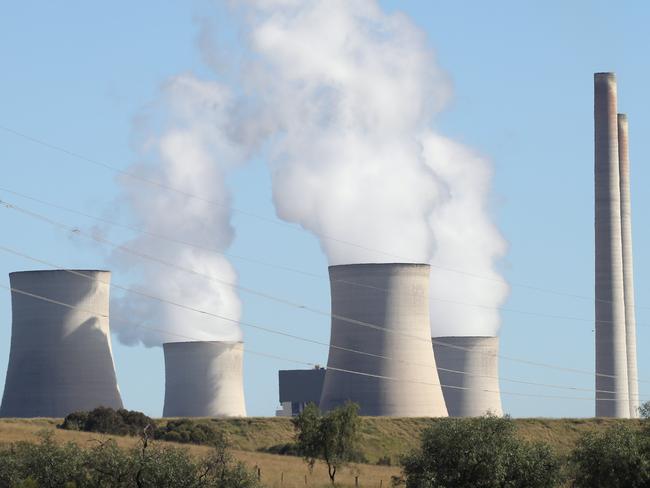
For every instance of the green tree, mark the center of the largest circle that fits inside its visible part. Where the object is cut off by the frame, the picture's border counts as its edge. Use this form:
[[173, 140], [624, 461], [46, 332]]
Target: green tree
[[644, 410], [481, 452], [332, 437], [618, 457]]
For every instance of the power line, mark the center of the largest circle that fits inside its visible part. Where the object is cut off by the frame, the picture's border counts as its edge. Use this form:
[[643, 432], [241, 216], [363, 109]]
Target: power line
[[296, 305], [264, 263], [179, 242], [286, 334], [209, 201], [268, 296], [283, 358], [345, 319]]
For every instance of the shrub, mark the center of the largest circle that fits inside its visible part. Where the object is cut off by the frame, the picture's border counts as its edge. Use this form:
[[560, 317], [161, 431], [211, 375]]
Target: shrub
[[644, 410], [618, 457], [479, 452], [44, 463], [108, 421], [384, 461], [286, 449], [48, 464], [75, 421], [189, 431]]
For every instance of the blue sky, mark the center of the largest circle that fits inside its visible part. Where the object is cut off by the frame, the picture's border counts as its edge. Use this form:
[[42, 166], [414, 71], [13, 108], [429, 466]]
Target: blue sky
[[75, 74]]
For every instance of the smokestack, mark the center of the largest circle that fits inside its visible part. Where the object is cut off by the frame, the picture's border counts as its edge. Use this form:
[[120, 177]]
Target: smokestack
[[204, 379], [628, 265], [476, 390], [612, 398], [403, 381], [60, 359]]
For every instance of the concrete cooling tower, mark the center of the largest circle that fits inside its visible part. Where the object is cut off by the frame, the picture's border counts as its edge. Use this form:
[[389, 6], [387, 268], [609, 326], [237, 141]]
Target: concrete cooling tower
[[204, 379], [382, 311], [612, 389], [60, 359], [474, 392]]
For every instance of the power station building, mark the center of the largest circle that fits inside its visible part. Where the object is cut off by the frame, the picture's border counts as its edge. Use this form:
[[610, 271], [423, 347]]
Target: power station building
[[298, 388], [616, 366], [60, 359], [468, 368], [380, 353], [204, 379]]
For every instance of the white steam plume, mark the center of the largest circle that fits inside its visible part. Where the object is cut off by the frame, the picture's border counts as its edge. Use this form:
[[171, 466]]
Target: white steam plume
[[185, 144], [351, 91], [344, 94], [465, 302]]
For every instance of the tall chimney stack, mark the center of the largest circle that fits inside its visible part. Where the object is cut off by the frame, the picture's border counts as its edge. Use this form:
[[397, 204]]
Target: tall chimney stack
[[628, 267], [612, 394]]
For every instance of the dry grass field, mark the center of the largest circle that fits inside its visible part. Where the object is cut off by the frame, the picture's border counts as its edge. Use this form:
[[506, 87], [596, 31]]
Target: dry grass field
[[381, 437], [276, 471]]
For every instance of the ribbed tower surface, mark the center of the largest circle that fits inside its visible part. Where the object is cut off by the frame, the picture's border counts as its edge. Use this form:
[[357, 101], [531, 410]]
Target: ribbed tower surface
[[204, 379], [468, 368], [60, 359], [380, 346]]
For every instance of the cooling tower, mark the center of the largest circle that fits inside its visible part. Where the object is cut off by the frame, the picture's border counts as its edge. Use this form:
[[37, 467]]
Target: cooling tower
[[60, 359], [475, 391], [204, 379], [628, 268], [612, 399], [382, 310]]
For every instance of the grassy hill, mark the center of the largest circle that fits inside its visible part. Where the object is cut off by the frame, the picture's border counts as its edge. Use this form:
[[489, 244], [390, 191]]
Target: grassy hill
[[381, 437]]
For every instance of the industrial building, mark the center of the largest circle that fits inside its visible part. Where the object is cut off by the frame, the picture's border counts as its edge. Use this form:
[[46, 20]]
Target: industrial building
[[616, 374], [60, 359], [380, 353], [204, 379], [468, 368], [298, 388]]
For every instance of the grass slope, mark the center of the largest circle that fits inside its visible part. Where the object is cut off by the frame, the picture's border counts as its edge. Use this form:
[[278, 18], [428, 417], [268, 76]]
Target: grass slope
[[392, 437], [381, 437], [276, 471]]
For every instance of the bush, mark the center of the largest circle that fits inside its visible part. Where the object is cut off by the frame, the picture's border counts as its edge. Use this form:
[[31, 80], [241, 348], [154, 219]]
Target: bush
[[108, 421], [42, 464], [479, 452], [286, 449], [75, 421], [618, 457], [644, 411], [384, 461], [189, 431], [48, 464]]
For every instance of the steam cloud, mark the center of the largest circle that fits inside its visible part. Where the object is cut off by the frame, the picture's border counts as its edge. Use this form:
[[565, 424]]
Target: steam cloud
[[344, 94], [352, 90], [184, 143]]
